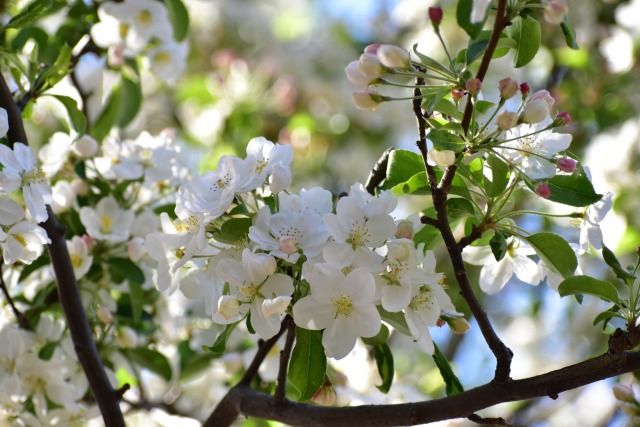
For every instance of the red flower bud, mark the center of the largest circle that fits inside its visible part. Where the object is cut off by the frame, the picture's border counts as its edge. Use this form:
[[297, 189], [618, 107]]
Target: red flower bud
[[525, 89], [567, 164], [543, 191], [562, 119], [473, 86], [456, 95], [435, 15]]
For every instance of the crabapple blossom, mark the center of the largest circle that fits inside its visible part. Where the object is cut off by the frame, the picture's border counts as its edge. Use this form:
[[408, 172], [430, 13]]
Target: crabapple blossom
[[24, 242], [370, 66], [20, 169], [341, 305], [366, 99], [107, 221], [495, 274], [80, 258], [393, 56], [355, 76]]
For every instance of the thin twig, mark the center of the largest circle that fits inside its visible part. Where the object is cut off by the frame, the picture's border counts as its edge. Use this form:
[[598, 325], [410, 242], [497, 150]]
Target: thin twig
[[278, 396], [488, 421], [68, 291]]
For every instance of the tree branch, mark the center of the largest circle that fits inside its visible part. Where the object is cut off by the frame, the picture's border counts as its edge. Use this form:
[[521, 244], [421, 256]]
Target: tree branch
[[249, 402], [68, 291], [22, 320], [284, 361]]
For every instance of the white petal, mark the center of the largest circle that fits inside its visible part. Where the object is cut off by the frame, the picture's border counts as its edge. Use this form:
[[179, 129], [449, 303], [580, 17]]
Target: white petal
[[309, 314], [494, 276], [526, 269]]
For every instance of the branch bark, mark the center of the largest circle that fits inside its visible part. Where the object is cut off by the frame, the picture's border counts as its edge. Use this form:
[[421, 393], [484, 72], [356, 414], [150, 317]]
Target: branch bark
[[68, 291], [249, 402]]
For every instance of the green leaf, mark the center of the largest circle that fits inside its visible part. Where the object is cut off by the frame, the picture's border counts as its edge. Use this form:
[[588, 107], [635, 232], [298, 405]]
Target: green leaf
[[573, 190], [526, 32], [612, 261], [608, 314], [153, 360], [179, 17], [130, 100], [381, 338], [483, 106], [128, 269], [499, 176], [589, 286], [397, 320], [556, 253], [446, 141], [220, 345], [463, 15], [32, 12], [569, 35], [453, 385], [233, 230], [476, 47], [447, 108], [458, 208], [498, 246], [430, 236], [430, 102], [191, 362], [108, 116], [46, 352], [431, 63], [76, 117], [308, 364], [402, 165], [384, 360]]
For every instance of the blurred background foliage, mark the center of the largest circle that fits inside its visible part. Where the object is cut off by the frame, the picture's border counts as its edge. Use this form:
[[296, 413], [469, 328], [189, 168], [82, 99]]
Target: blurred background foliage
[[276, 69]]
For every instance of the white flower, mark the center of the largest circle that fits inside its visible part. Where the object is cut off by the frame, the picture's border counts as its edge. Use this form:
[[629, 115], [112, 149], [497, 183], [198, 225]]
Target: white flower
[[303, 230], [423, 311], [495, 274], [10, 211], [402, 266], [590, 233], [63, 196], [355, 234], [54, 154], [80, 258], [533, 152], [317, 200], [256, 287], [21, 170], [168, 60], [107, 221], [24, 242], [262, 156], [341, 305]]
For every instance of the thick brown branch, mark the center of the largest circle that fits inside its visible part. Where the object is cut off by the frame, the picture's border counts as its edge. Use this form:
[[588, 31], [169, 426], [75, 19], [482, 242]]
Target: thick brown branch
[[249, 402], [68, 291]]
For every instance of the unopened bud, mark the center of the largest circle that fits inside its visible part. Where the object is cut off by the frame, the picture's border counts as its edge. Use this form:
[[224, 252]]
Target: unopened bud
[[367, 100], [326, 394], [562, 119], [435, 15], [459, 325], [355, 76], [104, 315], [394, 57], [624, 393], [456, 95], [555, 11], [508, 87], [444, 158], [126, 337], [372, 48], [369, 65], [506, 119], [405, 230], [525, 89], [535, 111], [473, 86], [543, 191], [567, 164]]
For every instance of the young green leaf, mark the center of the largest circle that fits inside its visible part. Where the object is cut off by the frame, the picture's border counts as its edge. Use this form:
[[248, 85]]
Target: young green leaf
[[446, 141], [526, 32], [128, 269], [179, 17], [431, 63], [308, 364], [77, 119], [555, 251], [569, 35], [573, 190], [452, 383], [498, 246], [381, 338], [233, 230], [397, 320], [499, 179], [589, 286], [612, 261], [153, 360], [463, 15], [384, 360], [220, 345], [130, 101]]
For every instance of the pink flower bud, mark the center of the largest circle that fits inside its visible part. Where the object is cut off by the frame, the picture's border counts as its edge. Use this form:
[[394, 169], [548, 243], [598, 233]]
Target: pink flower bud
[[394, 57], [473, 86], [456, 95], [288, 245], [372, 48], [355, 76], [366, 100], [555, 11], [543, 191], [544, 95], [508, 87], [562, 119], [567, 164], [435, 15], [369, 65], [506, 119], [104, 315], [525, 89]]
